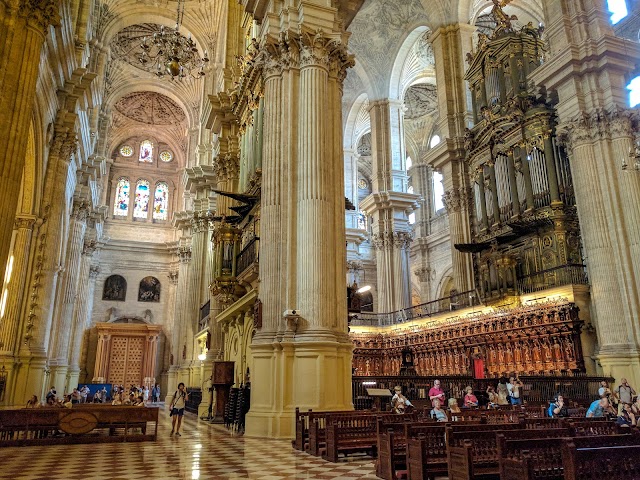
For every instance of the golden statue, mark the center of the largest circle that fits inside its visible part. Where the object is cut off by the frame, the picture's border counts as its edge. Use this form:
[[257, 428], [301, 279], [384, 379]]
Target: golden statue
[[503, 20]]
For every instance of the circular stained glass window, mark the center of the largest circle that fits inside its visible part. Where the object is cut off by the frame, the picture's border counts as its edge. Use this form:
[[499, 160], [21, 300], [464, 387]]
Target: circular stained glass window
[[166, 156], [126, 151], [362, 184]]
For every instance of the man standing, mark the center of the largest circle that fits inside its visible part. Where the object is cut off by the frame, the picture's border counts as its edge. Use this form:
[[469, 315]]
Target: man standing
[[436, 393], [514, 387], [625, 394]]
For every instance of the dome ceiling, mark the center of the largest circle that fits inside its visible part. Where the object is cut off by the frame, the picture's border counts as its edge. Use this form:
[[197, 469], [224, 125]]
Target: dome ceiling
[[126, 44], [150, 108]]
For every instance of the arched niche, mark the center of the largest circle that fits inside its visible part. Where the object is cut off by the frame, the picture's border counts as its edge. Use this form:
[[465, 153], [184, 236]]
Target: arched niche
[[115, 288]]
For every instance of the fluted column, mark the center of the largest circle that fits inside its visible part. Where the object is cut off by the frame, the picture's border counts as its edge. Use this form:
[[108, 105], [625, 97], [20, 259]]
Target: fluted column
[[81, 310], [10, 317], [23, 27], [271, 259], [183, 327], [456, 202], [59, 358], [85, 312]]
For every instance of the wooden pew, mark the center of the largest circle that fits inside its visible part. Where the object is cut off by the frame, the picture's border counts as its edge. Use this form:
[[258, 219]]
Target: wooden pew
[[595, 463], [594, 427], [426, 454], [43, 425], [542, 458], [473, 450]]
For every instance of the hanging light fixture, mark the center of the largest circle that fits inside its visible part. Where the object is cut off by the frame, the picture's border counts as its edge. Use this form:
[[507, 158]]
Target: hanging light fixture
[[171, 53]]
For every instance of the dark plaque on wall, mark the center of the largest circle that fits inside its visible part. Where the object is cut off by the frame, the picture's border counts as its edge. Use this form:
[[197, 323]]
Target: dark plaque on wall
[[149, 290], [115, 288]]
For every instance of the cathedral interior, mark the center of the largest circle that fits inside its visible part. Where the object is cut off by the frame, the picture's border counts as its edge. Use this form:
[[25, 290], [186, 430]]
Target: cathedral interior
[[311, 190]]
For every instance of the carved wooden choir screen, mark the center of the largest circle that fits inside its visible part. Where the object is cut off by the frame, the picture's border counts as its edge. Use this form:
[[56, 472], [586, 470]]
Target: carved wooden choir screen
[[529, 340]]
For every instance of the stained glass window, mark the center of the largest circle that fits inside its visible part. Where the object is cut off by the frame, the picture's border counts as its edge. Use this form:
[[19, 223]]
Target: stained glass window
[[166, 156], [141, 205], [160, 201], [121, 206], [146, 152], [126, 150], [362, 184]]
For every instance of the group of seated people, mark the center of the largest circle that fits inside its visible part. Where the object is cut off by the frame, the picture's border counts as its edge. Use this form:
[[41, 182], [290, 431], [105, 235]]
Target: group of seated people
[[81, 395], [510, 393]]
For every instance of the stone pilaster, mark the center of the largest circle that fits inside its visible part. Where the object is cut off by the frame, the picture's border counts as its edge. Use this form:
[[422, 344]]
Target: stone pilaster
[[23, 27], [63, 323], [183, 329], [456, 202], [82, 309], [85, 312]]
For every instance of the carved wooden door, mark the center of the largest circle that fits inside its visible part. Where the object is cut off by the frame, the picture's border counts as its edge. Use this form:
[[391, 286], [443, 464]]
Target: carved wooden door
[[125, 361]]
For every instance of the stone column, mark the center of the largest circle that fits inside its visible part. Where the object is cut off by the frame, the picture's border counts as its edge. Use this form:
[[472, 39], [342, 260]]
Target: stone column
[[102, 358], [456, 202], [63, 329], [23, 27], [173, 338], [183, 327], [308, 362], [82, 309], [94, 271], [10, 318]]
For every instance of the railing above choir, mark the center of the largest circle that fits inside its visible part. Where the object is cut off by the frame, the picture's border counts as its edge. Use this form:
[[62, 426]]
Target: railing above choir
[[248, 256], [537, 390]]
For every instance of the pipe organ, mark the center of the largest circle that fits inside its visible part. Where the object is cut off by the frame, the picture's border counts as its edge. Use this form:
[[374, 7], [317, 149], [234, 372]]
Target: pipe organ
[[525, 233]]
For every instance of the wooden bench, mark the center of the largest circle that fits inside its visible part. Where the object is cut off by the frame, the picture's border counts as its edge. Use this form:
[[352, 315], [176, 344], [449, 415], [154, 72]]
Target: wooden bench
[[594, 427], [84, 425], [595, 463], [426, 454], [542, 458]]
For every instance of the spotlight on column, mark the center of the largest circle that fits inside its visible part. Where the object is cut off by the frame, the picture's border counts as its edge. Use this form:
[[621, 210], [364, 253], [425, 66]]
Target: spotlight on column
[[366, 288], [202, 357]]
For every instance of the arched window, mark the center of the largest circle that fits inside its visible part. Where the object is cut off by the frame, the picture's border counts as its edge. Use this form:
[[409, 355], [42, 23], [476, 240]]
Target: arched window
[[160, 201], [438, 191], [435, 140], [146, 152], [121, 206], [149, 290], [141, 205], [618, 9], [115, 288]]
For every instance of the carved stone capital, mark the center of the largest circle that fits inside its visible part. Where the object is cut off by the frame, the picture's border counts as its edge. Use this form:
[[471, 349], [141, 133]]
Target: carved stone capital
[[94, 271], [184, 254], [63, 145], [40, 14], [598, 125], [26, 223], [89, 247], [424, 274], [173, 277]]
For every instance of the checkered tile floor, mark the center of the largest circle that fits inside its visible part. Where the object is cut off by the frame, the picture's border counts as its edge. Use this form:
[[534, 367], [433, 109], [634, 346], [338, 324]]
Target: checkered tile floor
[[203, 452]]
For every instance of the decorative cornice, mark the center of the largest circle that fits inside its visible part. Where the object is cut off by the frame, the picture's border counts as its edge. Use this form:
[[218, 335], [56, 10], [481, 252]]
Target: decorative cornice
[[600, 124]]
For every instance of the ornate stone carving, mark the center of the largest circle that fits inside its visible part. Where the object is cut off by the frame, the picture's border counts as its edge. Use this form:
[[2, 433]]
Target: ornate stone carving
[[94, 271], [24, 222], [600, 124], [63, 145], [89, 247], [184, 254], [425, 274], [151, 108], [173, 277], [40, 13], [420, 100]]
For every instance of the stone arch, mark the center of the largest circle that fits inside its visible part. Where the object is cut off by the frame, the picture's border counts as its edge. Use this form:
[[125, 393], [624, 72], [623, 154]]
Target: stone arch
[[358, 122], [400, 78]]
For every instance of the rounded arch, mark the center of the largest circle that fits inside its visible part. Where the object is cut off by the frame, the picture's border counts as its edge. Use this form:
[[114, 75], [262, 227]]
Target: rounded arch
[[358, 122], [397, 84]]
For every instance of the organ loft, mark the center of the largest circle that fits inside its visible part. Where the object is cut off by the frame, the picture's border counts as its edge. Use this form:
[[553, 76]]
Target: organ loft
[[279, 203]]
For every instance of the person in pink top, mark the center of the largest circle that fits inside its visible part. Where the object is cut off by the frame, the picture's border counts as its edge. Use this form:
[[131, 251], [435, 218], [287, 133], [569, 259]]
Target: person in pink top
[[470, 400], [436, 393]]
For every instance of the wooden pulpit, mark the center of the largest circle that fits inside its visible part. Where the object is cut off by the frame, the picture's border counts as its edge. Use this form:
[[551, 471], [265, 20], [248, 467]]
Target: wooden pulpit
[[222, 381]]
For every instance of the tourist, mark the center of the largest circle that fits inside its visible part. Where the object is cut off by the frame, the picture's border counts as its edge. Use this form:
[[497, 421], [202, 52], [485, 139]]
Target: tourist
[[178, 403], [33, 402], [68, 401], [626, 418], [84, 392], [503, 393], [493, 397], [51, 394], [139, 402], [437, 413], [436, 393], [557, 408], [399, 402], [514, 389], [75, 396], [155, 393], [453, 406], [145, 394], [624, 393], [600, 408], [470, 400], [605, 391]]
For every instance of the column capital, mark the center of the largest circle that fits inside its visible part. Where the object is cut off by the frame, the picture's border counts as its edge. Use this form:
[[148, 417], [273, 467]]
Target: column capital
[[184, 254], [89, 247], [63, 145], [40, 14], [94, 271], [173, 277], [599, 124], [25, 222]]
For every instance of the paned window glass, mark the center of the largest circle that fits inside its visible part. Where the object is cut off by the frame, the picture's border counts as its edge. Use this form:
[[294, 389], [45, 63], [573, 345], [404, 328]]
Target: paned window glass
[[146, 152], [161, 201], [141, 205], [121, 206], [126, 150], [166, 156]]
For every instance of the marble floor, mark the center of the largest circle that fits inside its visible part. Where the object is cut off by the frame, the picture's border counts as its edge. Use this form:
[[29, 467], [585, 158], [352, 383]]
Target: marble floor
[[203, 452]]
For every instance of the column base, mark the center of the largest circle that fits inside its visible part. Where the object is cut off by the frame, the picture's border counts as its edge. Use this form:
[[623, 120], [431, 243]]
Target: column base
[[59, 379], [73, 376], [621, 365], [32, 379], [294, 373]]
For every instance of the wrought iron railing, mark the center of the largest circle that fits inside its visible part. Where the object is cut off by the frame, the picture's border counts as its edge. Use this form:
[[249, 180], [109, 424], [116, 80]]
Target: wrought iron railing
[[248, 256], [572, 274], [424, 310]]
